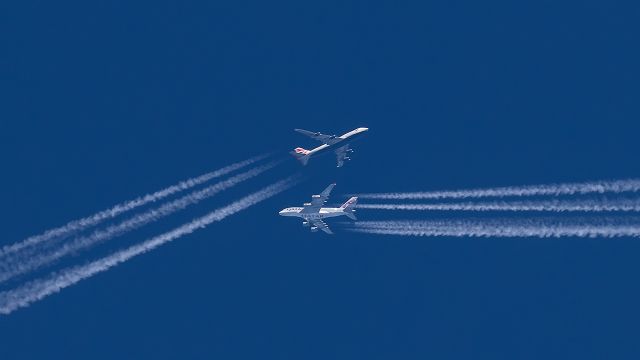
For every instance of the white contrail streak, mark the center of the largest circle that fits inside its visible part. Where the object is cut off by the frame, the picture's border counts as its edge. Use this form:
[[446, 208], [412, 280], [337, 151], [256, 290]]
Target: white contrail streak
[[23, 263], [501, 228], [554, 205], [564, 231], [80, 224], [596, 187], [499, 221], [40, 288]]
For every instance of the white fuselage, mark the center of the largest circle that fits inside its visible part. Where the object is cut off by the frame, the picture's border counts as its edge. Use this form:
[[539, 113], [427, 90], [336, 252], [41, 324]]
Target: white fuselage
[[322, 214], [339, 141]]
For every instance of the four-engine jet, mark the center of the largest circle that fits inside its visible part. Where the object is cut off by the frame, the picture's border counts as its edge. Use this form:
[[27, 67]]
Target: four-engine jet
[[339, 144], [313, 212]]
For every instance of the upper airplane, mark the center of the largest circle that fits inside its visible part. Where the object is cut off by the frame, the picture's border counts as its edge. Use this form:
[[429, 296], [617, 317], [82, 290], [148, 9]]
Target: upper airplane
[[339, 144], [313, 212]]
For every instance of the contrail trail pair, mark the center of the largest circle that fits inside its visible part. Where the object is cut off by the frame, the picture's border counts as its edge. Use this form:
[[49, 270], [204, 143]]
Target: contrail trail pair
[[40, 288], [596, 187], [31, 260], [553, 205], [80, 224], [541, 228]]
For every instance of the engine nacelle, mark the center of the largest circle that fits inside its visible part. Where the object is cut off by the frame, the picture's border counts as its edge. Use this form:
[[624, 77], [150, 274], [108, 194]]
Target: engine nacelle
[[305, 223], [314, 229]]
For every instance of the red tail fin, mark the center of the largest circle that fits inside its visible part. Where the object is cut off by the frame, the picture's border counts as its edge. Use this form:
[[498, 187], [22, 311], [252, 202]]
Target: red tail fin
[[301, 154]]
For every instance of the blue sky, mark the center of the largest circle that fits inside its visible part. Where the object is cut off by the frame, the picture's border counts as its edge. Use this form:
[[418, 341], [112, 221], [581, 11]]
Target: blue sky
[[105, 101]]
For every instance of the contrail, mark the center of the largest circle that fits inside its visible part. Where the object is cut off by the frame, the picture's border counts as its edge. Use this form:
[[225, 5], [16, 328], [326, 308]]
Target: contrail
[[80, 224], [502, 228], [38, 289], [597, 187], [554, 205], [23, 263], [499, 221]]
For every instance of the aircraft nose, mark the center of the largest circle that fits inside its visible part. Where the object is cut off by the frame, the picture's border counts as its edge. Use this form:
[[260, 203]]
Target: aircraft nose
[[281, 212], [364, 129]]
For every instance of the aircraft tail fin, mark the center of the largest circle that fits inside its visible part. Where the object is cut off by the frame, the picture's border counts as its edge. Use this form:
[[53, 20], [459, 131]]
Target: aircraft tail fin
[[349, 206], [301, 154]]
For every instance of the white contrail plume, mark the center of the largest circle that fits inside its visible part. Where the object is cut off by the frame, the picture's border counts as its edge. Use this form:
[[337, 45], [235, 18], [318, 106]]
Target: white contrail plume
[[553, 205], [596, 187], [501, 221], [23, 262], [502, 228], [38, 289], [80, 224]]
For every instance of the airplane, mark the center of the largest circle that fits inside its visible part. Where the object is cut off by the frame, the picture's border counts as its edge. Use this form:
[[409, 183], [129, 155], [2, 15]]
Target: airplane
[[313, 212], [339, 144]]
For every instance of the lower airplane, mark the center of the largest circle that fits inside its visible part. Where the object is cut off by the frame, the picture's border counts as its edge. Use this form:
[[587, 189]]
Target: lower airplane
[[313, 212], [340, 145]]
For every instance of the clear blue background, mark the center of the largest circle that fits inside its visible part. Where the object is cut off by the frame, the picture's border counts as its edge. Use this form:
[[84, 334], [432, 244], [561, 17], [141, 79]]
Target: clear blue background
[[102, 101]]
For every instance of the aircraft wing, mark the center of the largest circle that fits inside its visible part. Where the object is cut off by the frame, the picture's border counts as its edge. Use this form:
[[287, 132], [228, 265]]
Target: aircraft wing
[[322, 226], [326, 139], [318, 200], [341, 154], [323, 197]]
